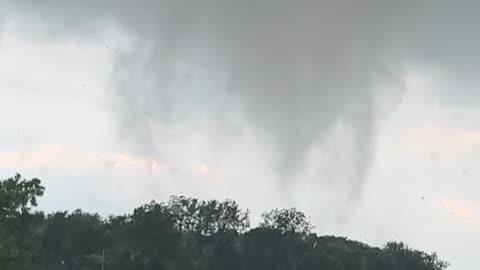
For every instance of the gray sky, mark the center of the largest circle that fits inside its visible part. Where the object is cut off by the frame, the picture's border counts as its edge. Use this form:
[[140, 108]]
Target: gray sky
[[361, 113]]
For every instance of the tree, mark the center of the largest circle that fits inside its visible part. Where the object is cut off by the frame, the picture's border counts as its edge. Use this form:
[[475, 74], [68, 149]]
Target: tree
[[286, 221], [208, 217], [74, 240], [20, 246], [211, 231], [413, 259], [149, 239], [182, 234]]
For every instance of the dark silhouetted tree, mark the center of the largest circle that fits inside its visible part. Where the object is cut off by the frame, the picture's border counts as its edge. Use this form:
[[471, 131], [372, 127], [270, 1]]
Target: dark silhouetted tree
[[20, 246], [286, 221], [182, 234]]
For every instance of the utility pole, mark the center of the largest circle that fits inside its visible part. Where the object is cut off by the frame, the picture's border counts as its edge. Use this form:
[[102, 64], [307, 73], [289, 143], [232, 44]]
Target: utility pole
[[103, 260]]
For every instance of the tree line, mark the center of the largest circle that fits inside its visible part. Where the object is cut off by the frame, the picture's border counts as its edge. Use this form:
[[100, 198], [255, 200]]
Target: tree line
[[180, 234]]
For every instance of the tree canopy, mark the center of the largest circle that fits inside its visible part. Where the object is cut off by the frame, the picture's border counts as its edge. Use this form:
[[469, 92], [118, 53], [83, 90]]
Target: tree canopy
[[183, 234], [20, 246]]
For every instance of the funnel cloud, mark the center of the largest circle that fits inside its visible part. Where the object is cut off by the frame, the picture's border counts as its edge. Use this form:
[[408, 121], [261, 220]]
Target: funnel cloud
[[298, 76]]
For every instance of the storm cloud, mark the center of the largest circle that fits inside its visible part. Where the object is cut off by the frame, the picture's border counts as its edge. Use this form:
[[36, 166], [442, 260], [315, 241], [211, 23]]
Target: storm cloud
[[298, 76]]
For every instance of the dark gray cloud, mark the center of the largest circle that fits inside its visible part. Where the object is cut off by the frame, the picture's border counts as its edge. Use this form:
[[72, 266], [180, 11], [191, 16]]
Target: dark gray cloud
[[444, 40], [293, 71]]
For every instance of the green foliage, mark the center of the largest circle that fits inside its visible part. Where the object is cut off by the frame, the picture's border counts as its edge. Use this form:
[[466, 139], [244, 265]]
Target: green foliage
[[20, 246], [73, 240], [287, 221], [182, 234], [208, 217], [18, 195]]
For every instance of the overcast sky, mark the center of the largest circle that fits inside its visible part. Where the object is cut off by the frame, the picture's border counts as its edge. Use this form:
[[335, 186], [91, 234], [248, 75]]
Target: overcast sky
[[363, 114]]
